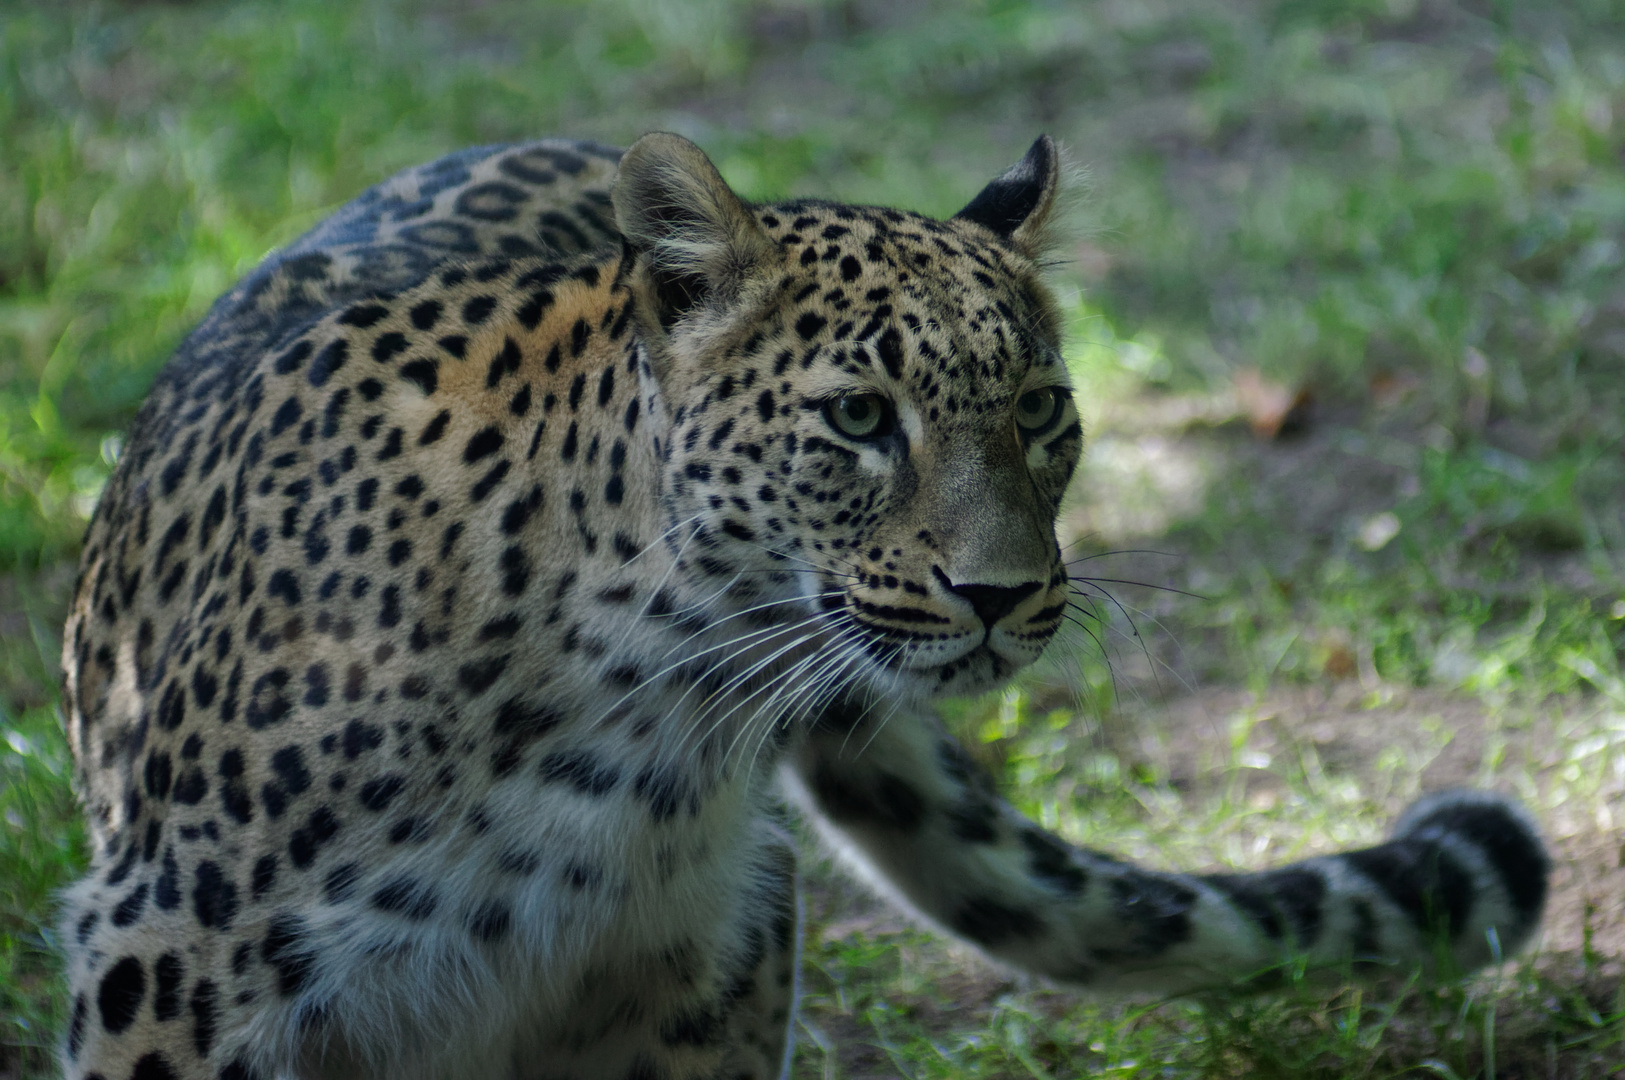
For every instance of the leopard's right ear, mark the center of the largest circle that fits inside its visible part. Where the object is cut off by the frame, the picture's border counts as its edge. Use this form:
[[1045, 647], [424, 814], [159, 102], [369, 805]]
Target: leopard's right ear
[[1019, 203], [675, 210]]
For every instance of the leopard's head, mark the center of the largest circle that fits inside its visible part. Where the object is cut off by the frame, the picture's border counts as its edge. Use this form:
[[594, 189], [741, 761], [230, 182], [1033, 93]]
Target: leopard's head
[[867, 423]]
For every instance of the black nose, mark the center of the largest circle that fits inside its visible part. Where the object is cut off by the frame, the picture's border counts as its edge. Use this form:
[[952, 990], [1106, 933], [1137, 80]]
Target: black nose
[[993, 602]]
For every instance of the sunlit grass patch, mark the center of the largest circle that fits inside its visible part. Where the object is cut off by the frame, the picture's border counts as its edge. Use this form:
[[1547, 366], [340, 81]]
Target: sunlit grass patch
[[41, 847]]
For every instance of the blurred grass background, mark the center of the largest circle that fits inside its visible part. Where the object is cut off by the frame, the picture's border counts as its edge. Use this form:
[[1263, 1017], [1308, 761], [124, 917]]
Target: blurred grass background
[[1349, 325]]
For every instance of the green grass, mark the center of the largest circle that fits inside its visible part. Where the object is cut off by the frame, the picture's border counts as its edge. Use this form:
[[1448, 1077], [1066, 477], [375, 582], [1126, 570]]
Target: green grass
[[1414, 210]]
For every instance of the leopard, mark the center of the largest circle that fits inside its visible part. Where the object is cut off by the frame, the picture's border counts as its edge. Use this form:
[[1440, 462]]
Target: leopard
[[506, 577]]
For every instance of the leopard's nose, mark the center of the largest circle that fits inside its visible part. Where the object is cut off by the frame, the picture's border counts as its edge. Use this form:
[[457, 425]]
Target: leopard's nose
[[991, 602]]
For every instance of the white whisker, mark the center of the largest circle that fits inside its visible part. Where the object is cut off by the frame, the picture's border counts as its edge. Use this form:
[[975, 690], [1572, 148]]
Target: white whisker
[[740, 678], [764, 633]]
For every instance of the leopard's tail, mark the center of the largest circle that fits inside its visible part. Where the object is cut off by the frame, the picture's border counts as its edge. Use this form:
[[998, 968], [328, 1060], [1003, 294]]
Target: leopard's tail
[[1460, 884]]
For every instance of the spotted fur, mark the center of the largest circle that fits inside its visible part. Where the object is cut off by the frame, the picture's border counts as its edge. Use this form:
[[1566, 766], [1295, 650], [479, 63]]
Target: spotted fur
[[475, 566]]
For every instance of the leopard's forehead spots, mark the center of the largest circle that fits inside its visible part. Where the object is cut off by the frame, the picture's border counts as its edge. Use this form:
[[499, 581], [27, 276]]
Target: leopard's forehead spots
[[932, 311], [845, 248]]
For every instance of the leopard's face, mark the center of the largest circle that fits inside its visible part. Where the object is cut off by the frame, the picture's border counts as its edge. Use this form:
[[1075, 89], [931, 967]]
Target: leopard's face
[[874, 441]]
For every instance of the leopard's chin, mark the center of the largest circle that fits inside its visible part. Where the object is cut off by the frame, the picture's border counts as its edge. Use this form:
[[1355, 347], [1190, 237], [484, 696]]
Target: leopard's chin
[[978, 669]]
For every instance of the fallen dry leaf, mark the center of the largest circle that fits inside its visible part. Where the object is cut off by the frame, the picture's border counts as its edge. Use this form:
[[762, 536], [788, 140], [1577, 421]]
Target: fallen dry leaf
[[1270, 407]]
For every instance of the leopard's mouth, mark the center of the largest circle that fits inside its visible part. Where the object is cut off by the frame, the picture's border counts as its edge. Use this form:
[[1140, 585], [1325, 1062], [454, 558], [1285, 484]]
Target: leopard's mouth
[[978, 665], [933, 650]]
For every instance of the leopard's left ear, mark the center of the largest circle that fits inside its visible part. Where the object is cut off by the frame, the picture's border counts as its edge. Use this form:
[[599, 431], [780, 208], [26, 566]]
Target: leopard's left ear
[[1018, 205]]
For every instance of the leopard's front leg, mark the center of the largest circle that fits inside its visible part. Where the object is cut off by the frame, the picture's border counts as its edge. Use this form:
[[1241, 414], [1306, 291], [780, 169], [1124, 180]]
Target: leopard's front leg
[[1465, 871]]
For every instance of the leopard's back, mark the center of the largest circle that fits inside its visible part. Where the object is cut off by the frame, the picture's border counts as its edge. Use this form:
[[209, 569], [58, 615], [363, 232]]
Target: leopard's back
[[545, 199]]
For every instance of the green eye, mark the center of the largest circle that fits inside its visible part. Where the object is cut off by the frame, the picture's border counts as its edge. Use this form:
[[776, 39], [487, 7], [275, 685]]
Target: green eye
[[859, 416], [1037, 409]]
